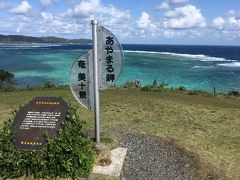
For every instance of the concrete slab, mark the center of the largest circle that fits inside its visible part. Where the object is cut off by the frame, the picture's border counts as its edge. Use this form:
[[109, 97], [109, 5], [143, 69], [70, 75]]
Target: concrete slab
[[115, 168]]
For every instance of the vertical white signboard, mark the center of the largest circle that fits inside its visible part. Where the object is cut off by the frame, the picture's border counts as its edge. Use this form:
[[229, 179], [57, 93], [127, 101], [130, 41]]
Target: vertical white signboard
[[81, 80], [110, 58]]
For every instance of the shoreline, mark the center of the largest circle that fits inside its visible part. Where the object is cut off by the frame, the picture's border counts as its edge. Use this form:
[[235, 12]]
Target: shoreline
[[131, 84], [123, 44]]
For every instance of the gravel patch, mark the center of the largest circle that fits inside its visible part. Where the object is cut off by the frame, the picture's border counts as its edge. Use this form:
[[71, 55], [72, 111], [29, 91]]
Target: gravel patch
[[152, 158]]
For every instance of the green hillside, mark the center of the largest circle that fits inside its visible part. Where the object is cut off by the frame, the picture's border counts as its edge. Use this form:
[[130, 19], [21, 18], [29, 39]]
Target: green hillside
[[49, 39], [207, 126]]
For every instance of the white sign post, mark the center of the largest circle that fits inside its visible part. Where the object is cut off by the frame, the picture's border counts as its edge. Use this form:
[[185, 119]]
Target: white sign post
[[96, 70]]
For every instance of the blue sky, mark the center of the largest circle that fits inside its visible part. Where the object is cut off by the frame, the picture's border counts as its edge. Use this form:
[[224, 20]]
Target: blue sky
[[202, 22]]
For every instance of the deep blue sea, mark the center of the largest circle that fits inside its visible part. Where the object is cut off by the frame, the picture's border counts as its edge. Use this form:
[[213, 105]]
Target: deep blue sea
[[195, 67]]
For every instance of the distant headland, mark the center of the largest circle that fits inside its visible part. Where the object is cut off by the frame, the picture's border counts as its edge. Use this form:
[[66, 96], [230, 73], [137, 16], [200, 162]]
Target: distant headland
[[49, 39]]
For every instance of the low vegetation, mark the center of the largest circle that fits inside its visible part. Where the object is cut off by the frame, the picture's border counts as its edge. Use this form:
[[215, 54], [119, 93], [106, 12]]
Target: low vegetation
[[163, 87], [6, 80]]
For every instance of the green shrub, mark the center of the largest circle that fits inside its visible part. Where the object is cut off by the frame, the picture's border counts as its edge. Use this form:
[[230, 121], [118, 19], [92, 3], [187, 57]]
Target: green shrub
[[49, 84], [69, 154], [6, 80], [154, 84], [233, 93], [182, 88], [146, 88], [163, 85], [196, 92], [193, 92], [132, 84]]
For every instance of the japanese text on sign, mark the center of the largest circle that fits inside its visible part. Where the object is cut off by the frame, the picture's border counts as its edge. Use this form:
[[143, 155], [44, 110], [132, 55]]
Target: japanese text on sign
[[110, 76], [40, 120], [82, 79]]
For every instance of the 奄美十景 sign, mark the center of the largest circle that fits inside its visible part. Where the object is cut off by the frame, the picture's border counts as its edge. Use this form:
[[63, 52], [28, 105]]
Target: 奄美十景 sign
[[81, 80]]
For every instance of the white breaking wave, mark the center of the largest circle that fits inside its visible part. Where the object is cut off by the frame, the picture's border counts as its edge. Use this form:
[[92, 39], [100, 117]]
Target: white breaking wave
[[197, 67], [199, 57], [143, 52], [233, 64], [27, 46]]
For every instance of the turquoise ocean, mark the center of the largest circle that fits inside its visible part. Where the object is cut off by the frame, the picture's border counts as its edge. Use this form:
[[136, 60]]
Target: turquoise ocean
[[194, 67]]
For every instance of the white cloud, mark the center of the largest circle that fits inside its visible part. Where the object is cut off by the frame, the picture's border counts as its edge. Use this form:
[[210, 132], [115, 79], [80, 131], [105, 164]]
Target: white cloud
[[172, 14], [22, 9], [85, 9], [163, 5], [169, 4], [46, 3], [184, 17], [110, 16], [47, 17], [229, 25], [15, 24], [178, 1], [233, 13], [146, 26], [75, 21], [218, 23], [144, 21], [172, 34], [54, 22], [19, 27], [234, 22], [178, 20], [117, 16]]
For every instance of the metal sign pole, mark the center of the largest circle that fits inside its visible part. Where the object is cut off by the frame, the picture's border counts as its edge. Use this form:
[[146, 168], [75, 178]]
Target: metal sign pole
[[96, 92]]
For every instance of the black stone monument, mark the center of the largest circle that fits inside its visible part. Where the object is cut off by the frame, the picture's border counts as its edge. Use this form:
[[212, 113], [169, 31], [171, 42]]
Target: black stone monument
[[40, 117]]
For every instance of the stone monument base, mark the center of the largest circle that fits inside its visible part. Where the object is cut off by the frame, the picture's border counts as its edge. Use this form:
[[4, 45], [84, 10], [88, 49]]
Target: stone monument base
[[115, 168]]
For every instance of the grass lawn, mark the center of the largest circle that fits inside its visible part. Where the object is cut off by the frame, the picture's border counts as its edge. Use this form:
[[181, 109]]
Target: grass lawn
[[209, 127]]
